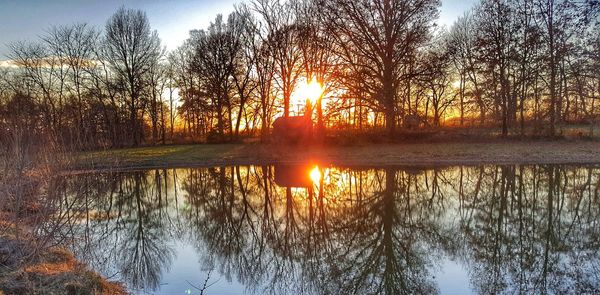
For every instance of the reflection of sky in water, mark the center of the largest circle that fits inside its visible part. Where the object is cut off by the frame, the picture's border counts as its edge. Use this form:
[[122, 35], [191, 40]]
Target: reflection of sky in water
[[452, 278], [455, 230], [186, 275]]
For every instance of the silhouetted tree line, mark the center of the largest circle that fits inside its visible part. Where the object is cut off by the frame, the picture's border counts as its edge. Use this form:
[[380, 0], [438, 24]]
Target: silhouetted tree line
[[84, 87], [527, 66]]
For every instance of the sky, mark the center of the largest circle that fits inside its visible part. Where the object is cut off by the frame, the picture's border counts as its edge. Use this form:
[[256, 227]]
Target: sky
[[22, 20]]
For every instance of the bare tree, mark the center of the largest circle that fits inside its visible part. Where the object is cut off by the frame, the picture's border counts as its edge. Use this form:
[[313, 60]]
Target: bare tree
[[495, 43], [280, 23], [241, 25], [156, 82], [264, 65], [44, 80], [462, 42], [435, 77], [377, 38], [213, 63], [132, 48], [73, 46]]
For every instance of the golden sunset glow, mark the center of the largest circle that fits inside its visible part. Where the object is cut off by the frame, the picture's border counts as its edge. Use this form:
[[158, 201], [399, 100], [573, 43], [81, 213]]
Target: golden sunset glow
[[308, 146], [308, 90], [313, 90], [315, 175]]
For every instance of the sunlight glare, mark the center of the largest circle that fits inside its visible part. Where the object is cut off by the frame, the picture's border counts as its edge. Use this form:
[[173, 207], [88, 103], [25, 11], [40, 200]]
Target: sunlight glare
[[312, 90], [315, 175], [456, 84]]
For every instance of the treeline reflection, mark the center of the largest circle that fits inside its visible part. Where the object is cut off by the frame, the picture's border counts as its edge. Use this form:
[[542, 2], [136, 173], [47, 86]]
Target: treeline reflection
[[515, 229]]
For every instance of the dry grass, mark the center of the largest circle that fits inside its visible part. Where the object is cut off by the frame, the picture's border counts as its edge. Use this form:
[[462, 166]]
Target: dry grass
[[388, 154], [54, 271], [27, 264], [161, 155]]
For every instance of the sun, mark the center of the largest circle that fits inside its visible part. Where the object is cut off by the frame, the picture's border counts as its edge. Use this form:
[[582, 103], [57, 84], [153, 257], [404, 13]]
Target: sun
[[313, 90], [315, 175], [310, 90]]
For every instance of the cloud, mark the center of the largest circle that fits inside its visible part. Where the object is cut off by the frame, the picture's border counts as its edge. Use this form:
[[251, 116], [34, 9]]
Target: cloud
[[8, 64]]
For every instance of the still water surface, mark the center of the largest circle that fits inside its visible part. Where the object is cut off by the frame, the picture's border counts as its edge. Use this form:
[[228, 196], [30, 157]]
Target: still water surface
[[328, 230]]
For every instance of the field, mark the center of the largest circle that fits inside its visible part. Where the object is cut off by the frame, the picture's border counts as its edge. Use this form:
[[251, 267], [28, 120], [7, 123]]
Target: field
[[398, 154]]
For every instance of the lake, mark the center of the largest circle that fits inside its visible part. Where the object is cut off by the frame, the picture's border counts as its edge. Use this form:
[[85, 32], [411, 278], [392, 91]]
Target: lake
[[311, 229]]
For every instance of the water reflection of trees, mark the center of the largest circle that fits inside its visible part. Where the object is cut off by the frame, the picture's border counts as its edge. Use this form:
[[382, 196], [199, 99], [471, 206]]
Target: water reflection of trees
[[119, 223], [532, 229], [516, 229]]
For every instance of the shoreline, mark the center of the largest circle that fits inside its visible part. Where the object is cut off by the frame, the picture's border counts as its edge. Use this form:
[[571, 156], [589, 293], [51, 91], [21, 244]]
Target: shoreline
[[359, 156], [48, 270]]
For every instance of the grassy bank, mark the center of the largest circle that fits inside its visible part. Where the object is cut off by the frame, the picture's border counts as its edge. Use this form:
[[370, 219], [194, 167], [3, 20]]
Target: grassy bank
[[467, 153], [26, 270], [30, 261]]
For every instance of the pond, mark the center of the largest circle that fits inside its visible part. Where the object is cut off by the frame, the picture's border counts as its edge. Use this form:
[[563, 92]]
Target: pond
[[312, 229]]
